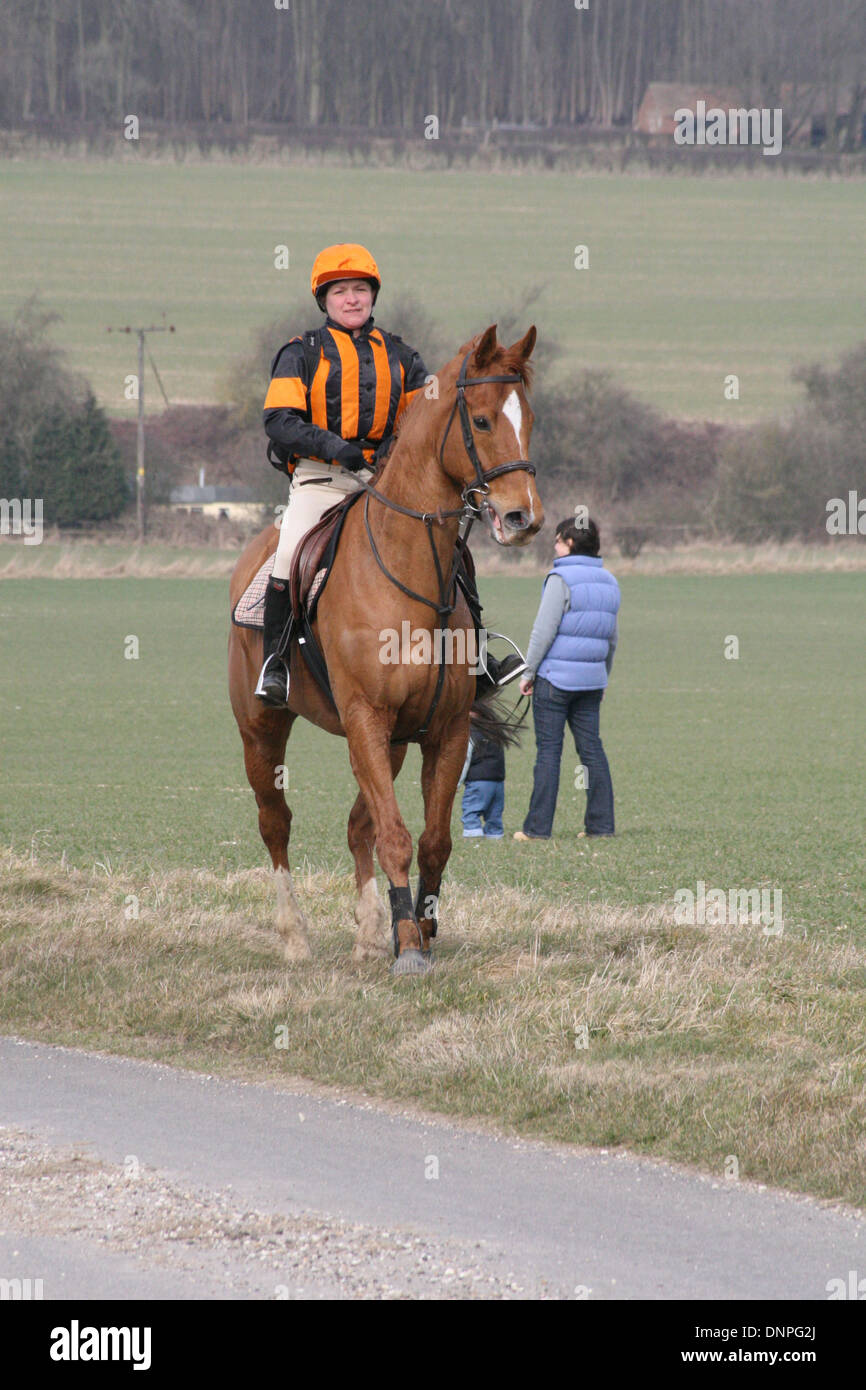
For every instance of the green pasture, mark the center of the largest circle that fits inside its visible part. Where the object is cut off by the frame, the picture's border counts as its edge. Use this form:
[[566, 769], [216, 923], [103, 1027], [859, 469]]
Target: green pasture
[[567, 1001], [690, 278], [738, 772]]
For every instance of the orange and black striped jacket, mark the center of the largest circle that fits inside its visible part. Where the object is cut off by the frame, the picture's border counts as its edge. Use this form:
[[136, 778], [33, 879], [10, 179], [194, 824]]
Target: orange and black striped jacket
[[357, 392]]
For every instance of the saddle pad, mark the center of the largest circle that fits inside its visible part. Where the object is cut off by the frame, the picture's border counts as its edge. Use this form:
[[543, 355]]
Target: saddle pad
[[250, 608]]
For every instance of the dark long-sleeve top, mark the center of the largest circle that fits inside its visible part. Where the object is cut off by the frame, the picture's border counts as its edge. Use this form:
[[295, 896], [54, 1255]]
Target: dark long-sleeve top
[[357, 392]]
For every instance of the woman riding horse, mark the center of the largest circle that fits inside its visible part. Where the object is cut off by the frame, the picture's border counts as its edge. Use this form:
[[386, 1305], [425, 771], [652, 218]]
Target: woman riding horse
[[335, 398], [462, 455]]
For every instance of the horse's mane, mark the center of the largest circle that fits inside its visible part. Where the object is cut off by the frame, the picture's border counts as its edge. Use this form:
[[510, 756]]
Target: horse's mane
[[503, 362]]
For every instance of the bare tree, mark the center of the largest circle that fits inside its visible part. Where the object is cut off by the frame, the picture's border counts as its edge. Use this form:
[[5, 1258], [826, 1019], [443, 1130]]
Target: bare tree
[[314, 63]]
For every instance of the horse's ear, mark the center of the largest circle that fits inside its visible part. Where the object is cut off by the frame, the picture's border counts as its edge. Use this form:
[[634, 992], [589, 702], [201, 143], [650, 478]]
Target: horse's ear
[[523, 349], [486, 348]]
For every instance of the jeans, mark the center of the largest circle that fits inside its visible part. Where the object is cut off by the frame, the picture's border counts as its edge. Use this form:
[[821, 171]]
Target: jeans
[[483, 800], [551, 709]]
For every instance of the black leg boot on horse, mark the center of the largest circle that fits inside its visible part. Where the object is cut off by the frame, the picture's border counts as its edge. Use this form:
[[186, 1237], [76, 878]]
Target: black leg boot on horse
[[273, 686]]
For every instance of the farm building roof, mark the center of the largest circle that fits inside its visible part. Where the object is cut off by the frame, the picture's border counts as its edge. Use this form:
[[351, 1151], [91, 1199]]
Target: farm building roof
[[661, 99], [799, 101], [199, 495]]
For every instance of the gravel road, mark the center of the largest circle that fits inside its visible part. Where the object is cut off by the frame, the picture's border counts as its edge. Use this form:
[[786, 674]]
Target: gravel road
[[124, 1179]]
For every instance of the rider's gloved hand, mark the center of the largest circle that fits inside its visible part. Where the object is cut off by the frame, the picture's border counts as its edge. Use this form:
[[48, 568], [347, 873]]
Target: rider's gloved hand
[[351, 457]]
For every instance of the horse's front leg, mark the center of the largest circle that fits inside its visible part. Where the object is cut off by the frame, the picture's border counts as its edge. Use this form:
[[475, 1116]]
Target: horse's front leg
[[371, 914], [368, 737], [264, 753], [440, 771]]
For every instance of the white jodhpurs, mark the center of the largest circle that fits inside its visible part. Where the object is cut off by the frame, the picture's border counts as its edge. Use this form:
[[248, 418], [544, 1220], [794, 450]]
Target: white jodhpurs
[[315, 487]]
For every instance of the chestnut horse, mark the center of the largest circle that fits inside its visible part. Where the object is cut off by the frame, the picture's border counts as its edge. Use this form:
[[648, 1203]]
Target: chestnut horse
[[380, 705]]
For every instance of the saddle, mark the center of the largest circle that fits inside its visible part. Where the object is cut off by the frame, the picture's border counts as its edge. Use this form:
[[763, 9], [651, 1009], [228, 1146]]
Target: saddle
[[314, 555], [311, 568]]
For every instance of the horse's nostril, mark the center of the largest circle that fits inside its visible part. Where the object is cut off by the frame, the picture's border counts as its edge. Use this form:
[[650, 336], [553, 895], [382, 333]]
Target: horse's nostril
[[516, 521]]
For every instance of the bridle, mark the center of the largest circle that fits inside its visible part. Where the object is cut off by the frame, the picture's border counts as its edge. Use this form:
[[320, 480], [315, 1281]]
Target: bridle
[[468, 513], [482, 479]]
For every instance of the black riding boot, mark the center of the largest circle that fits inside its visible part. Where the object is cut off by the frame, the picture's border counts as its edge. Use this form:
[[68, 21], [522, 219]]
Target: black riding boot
[[496, 673], [273, 686]]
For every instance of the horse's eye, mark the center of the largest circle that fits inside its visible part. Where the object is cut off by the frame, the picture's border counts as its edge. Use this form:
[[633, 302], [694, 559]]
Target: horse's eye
[[481, 422]]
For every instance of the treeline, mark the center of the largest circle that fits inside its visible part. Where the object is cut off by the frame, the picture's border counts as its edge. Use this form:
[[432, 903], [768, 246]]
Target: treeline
[[778, 479], [55, 441], [651, 477], [391, 63]]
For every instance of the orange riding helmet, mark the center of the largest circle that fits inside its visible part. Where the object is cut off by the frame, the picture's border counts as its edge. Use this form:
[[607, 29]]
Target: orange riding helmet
[[347, 261]]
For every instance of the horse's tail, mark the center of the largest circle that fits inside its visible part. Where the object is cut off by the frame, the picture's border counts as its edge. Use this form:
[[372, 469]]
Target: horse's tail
[[492, 719]]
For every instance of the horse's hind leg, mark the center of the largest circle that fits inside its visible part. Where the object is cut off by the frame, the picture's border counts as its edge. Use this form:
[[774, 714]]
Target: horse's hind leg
[[440, 771], [264, 752], [371, 915]]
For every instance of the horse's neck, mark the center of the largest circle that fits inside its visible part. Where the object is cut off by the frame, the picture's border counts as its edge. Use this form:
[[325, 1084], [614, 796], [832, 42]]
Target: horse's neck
[[413, 477]]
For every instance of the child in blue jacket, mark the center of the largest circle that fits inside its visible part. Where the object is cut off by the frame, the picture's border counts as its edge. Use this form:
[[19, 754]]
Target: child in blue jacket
[[484, 790]]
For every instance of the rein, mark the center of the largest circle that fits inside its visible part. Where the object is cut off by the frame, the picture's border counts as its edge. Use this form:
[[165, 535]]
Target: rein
[[468, 514]]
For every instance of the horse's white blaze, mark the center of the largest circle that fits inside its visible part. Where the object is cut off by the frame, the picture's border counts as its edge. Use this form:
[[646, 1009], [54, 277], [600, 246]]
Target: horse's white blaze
[[530, 509], [513, 413]]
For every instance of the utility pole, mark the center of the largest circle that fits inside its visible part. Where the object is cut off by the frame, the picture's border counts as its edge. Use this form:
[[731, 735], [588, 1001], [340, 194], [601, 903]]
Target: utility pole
[[141, 518]]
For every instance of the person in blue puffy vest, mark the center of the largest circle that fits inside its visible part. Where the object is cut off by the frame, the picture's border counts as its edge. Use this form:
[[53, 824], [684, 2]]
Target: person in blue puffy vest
[[568, 662]]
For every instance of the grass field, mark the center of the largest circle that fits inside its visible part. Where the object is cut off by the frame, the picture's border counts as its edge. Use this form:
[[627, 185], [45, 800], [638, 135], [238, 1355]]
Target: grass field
[[124, 777], [690, 278], [749, 768]]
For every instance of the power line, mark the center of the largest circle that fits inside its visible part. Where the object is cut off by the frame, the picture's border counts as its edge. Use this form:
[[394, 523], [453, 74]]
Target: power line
[[139, 471]]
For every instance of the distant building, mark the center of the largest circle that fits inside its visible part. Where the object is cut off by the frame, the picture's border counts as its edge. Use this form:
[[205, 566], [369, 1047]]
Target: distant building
[[661, 99], [807, 108], [232, 503]]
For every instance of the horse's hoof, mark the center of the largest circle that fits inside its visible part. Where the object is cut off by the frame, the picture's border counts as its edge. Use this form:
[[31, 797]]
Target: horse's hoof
[[296, 951], [411, 963], [370, 950]]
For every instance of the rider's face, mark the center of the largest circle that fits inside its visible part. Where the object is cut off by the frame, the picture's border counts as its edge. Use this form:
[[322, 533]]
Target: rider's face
[[349, 303]]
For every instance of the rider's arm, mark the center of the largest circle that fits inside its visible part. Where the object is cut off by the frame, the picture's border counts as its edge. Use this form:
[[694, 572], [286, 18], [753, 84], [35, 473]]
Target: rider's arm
[[287, 410], [555, 601], [414, 376]]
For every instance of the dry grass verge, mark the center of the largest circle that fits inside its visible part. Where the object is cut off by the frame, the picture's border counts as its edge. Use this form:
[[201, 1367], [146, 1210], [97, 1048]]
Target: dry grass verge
[[592, 1023], [70, 558]]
